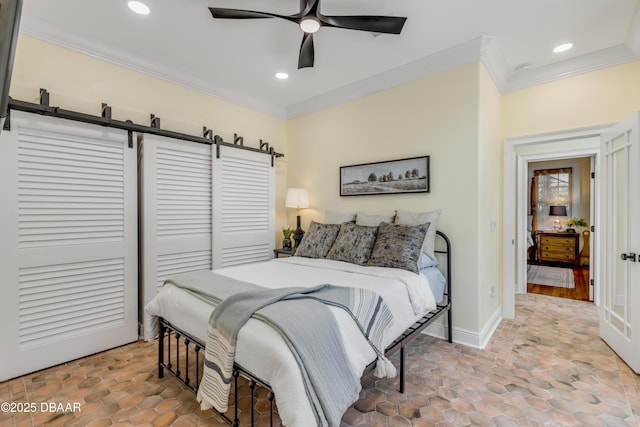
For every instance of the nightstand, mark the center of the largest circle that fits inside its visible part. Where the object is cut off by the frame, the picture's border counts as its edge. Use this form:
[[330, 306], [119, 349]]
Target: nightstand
[[283, 252], [559, 247]]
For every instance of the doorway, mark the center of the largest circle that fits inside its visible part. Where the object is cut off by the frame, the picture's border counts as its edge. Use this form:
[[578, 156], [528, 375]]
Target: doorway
[[518, 152], [560, 206]]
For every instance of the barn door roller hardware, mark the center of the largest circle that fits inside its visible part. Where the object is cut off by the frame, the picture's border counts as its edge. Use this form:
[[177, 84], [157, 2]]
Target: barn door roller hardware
[[105, 119]]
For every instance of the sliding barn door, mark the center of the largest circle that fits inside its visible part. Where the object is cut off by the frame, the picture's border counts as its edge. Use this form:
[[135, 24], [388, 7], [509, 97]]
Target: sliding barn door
[[176, 218], [68, 252], [243, 207]]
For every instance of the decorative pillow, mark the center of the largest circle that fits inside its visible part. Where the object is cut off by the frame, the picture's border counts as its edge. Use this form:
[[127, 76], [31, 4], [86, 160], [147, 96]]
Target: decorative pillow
[[339, 218], [372, 220], [398, 246], [417, 218], [353, 244], [318, 240]]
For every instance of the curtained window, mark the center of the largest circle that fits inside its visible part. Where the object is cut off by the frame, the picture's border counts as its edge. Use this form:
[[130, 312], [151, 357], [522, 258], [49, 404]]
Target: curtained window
[[552, 188]]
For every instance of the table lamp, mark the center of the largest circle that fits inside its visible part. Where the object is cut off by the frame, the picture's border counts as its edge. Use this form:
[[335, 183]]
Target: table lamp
[[297, 198], [557, 211]]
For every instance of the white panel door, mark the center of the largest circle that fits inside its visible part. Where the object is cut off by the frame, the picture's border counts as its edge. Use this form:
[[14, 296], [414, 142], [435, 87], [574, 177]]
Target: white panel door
[[243, 207], [175, 186], [620, 274], [68, 252]]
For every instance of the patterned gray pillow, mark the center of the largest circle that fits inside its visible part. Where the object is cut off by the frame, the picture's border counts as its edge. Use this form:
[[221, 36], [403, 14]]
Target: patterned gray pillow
[[318, 240], [417, 218], [398, 246], [353, 244]]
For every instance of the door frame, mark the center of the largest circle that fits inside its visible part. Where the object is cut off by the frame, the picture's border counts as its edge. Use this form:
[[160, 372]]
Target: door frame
[[515, 183]]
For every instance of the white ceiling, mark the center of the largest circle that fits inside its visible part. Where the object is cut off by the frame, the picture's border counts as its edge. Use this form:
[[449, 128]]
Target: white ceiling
[[237, 59]]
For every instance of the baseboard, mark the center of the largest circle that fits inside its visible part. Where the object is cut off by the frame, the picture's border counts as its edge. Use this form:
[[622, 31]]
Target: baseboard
[[466, 337], [437, 329], [490, 327]]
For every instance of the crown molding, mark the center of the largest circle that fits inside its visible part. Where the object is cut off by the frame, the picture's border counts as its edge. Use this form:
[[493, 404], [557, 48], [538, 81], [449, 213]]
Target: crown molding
[[493, 60], [43, 31], [436, 63], [572, 67], [484, 49]]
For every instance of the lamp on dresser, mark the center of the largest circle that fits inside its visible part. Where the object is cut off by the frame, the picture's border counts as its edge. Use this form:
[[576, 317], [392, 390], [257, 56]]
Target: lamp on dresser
[[297, 198], [557, 211]]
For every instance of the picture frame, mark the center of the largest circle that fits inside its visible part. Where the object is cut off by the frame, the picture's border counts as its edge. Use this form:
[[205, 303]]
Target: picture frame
[[410, 175]]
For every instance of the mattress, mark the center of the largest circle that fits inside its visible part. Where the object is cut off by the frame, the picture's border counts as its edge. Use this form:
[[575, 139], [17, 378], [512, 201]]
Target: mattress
[[263, 353]]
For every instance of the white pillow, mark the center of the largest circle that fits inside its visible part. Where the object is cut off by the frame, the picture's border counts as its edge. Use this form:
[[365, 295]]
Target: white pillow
[[417, 218], [339, 218], [372, 220]]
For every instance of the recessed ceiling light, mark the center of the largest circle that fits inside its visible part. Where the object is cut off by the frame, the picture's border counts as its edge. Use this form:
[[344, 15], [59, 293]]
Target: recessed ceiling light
[[138, 7], [310, 25], [282, 76], [563, 47]]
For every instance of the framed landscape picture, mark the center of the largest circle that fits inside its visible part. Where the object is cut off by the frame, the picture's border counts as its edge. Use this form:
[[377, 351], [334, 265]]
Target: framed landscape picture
[[390, 177]]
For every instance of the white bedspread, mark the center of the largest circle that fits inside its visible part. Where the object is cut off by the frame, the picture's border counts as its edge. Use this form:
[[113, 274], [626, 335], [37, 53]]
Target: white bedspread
[[261, 351]]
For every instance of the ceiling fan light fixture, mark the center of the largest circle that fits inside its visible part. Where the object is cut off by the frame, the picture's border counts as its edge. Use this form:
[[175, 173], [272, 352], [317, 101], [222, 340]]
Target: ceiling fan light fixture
[[311, 20], [309, 25], [138, 7], [563, 47]]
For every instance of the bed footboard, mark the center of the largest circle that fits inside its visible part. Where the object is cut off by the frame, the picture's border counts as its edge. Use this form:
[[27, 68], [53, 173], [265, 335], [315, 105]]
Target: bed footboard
[[181, 355], [417, 328]]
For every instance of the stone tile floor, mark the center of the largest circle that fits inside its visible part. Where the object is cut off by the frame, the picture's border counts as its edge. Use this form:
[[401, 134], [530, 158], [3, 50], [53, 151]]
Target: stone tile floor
[[548, 367]]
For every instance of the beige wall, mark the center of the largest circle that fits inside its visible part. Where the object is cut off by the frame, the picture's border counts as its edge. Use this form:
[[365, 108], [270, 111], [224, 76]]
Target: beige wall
[[458, 117], [490, 198], [436, 116], [600, 97], [81, 83]]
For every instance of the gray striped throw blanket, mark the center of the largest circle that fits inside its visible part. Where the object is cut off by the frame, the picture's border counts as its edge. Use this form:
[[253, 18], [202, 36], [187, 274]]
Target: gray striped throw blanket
[[303, 319]]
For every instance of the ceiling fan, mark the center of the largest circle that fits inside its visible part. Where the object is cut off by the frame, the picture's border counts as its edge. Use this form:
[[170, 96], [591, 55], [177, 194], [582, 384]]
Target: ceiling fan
[[311, 20]]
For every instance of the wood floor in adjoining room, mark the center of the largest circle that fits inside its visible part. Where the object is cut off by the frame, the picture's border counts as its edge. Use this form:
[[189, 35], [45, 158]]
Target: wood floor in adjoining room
[[547, 367], [580, 292]]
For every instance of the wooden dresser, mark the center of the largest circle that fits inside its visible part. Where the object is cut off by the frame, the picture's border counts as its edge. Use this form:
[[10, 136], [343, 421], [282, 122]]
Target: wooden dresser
[[559, 247]]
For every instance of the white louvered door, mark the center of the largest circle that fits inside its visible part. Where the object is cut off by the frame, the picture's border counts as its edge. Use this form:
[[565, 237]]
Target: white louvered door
[[243, 207], [175, 179], [68, 247]]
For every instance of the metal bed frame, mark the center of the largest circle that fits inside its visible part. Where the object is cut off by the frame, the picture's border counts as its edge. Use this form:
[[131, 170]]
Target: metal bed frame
[[168, 332]]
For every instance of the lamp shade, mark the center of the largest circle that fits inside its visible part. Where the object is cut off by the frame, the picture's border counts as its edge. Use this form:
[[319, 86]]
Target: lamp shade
[[557, 210], [297, 198]]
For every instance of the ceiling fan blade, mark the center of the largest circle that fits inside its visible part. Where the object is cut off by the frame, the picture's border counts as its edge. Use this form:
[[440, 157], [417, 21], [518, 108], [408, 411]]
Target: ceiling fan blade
[[219, 12], [307, 7], [374, 24], [307, 53]]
